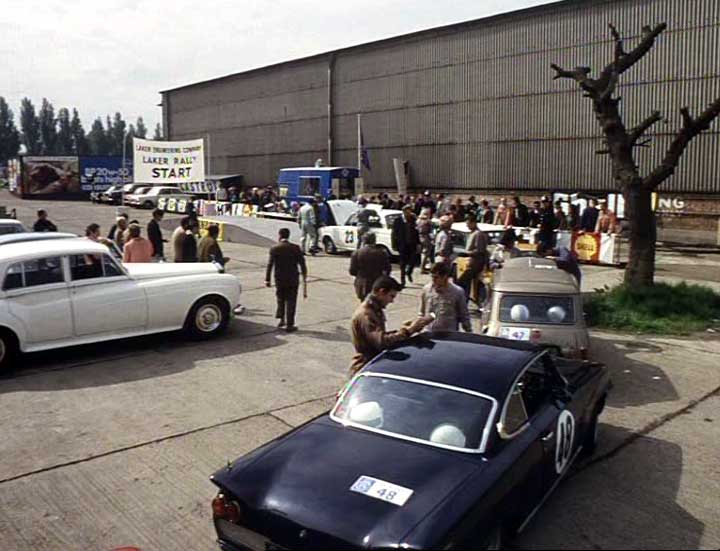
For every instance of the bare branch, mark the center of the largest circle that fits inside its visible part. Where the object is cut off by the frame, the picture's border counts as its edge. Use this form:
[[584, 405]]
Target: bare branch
[[579, 74], [610, 88], [637, 132], [645, 143], [690, 129], [623, 61]]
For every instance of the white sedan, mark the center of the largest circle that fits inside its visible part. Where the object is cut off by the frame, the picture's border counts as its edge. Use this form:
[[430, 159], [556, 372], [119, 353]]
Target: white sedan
[[344, 237], [67, 292]]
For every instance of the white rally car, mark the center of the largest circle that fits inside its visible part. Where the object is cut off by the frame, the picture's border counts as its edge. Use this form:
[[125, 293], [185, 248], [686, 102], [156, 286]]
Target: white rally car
[[67, 292], [343, 237]]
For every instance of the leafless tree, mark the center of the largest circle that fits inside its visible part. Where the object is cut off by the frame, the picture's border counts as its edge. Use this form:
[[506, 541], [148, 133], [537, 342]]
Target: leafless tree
[[621, 144]]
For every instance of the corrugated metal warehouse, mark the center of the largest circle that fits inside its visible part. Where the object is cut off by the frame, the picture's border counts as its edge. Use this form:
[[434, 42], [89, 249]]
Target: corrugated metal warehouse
[[473, 107]]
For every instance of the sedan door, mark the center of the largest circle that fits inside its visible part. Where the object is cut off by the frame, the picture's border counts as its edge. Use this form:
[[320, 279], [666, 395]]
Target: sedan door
[[37, 295], [105, 300]]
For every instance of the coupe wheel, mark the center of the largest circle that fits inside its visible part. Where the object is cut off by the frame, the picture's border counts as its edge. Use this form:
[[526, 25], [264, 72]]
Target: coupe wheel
[[207, 318], [329, 246], [8, 350], [592, 436]]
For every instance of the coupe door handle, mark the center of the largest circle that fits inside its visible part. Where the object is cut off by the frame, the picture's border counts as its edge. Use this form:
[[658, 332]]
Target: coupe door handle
[[548, 437]]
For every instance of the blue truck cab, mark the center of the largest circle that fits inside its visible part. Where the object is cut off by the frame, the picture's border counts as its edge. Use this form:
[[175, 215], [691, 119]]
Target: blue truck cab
[[300, 184]]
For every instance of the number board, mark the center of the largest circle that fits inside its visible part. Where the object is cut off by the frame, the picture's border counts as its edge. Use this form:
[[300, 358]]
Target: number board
[[379, 489]]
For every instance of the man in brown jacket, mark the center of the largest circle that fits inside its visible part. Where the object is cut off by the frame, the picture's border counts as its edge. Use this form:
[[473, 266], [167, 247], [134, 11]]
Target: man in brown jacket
[[368, 264], [286, 257], [369, 335], [209, 249]]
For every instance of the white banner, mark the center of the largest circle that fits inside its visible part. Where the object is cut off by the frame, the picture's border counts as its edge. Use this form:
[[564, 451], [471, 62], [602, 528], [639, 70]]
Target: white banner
[[168, 162]]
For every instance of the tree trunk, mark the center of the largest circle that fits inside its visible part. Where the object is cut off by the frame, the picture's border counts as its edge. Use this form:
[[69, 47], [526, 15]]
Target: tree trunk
[[640, 271]]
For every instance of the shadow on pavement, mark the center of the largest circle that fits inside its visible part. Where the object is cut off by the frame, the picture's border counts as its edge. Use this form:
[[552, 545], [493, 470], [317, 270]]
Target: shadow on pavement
[[133, 359], [628, 501], [636, 382]]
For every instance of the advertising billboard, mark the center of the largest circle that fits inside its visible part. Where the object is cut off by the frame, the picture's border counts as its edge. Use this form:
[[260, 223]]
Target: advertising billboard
[[13, 175], [45, 176], [99, 173]]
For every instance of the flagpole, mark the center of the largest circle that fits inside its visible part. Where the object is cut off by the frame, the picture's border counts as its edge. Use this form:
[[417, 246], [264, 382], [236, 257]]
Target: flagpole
[[359, 147]]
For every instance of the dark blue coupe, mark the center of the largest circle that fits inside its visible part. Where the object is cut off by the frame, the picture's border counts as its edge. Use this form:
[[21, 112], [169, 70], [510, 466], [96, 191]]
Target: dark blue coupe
[[450, 441]]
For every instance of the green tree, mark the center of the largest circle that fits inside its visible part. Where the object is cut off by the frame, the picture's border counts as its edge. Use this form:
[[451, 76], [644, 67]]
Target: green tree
[[48, 128], [9, 135], [30, 127], [79, 140], [96, 138], [158, 132], [140, 129], [64, 133], [118, 134]]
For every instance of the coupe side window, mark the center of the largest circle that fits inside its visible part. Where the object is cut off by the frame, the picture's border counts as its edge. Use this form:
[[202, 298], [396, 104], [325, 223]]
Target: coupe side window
[[515, 415], [14, 277], [43, 271], [84, 266]]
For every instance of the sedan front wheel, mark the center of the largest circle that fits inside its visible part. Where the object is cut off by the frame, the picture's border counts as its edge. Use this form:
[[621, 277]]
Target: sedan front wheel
[[207, 318]]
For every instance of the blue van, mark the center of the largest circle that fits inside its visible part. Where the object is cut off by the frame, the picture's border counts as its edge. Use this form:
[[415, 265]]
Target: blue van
[[300, 184]]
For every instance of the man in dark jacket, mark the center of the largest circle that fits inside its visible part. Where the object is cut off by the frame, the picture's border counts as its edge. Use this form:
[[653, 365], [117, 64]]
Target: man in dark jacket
[[589, 217], [189, 244], [43, 224], [522, 217], [405, 240], [154, 234], [286, 258], [367, 264], [548, 224]]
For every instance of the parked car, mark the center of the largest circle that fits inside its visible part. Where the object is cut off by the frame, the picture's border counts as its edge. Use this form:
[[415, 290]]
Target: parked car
[[343, 237], [533, 300], [449, 441], [10, 226], [136, 194], [66, 292], [149, 199], [111, 196]]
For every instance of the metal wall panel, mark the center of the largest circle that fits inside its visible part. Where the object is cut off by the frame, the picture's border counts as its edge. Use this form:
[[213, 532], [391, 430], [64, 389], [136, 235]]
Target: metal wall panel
[[473, 106]]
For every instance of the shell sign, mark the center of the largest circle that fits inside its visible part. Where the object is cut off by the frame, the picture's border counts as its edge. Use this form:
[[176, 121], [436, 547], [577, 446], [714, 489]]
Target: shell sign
[[586, 246]]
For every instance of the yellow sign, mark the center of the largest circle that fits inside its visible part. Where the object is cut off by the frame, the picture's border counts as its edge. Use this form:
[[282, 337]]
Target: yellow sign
[[587, 247]]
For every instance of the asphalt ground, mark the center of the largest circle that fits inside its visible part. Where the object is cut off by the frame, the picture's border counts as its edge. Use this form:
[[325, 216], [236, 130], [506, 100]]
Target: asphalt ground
[[111, 445]]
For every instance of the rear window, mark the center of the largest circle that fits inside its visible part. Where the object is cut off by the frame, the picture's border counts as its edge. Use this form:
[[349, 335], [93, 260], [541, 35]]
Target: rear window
[[33, 273], [556, 310], [415, 410]]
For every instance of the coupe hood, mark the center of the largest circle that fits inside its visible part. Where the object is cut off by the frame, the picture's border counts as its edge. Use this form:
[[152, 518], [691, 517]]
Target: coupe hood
[[304, 483], [155, 270]]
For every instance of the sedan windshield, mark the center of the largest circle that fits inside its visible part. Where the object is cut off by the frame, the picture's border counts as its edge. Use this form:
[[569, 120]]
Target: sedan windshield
[[416, 410]]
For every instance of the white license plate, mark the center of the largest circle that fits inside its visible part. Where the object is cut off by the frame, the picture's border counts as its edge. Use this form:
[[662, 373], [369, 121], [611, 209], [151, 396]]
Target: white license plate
[[379, 489], [515, 333]]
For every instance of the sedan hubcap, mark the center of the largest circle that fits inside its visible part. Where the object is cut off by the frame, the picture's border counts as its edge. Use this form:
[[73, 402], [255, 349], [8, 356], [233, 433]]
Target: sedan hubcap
[[208, 318]]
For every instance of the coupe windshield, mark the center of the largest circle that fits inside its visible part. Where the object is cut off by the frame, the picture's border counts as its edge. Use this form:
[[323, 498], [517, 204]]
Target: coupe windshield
[[416, 410]]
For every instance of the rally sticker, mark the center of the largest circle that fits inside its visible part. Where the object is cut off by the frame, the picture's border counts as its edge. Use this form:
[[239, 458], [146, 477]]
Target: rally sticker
[[564, 442], [515, 333], [379, 489]]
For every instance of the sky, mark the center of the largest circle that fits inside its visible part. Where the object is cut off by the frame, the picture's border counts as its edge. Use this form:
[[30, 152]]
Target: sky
[[103, 56]]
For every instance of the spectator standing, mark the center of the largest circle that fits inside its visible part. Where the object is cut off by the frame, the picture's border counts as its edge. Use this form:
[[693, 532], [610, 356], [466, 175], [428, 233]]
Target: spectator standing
[[504, 250], [573, 218], [137, 248], [367, 264], [522, 217], [472, 207], [288, 261], [589, 218], [363, 220], [189, 243], [178, 237], [607, 221], [425, 229], [560, 218], [444, 248], [446, 301], [500, 213], [405, 239], [460, 211], [155, 234], [369, 335], [548, 224], [308, 227], [43, 224], [209, 249], [485, 214], [120, 235], [477, 244], [534, 215], [113, 229]]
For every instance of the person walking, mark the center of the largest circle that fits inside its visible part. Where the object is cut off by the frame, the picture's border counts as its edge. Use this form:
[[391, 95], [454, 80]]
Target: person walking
[[369, 335], [137, 249], [209, 249], [155, 236], [189, 244], [308, 227], [444, 248], [43, 224], [445, 301], [288, 261], [425, 230], [477, 244], [405, 239], [178, 237], [367, 264]]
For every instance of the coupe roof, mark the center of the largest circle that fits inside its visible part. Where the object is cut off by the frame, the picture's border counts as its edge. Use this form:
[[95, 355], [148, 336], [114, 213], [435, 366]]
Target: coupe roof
[[473, 362]]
